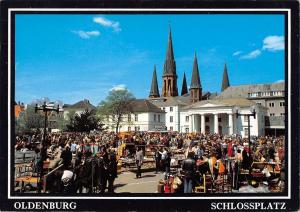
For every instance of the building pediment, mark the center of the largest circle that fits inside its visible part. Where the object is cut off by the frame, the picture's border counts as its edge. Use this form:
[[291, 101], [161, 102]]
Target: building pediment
[[210, 105]]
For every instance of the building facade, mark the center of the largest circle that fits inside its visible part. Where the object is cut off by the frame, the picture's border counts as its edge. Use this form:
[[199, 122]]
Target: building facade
[[215, 116], [143, 116]]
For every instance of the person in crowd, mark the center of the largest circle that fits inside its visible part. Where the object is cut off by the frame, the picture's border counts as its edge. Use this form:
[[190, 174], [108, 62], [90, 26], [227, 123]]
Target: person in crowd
[[66, 156], [189, 170], [139, 161], [157, 160], [112, 171]]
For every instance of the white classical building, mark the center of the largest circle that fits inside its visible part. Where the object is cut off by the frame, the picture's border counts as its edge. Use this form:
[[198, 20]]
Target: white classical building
[[219, 116]]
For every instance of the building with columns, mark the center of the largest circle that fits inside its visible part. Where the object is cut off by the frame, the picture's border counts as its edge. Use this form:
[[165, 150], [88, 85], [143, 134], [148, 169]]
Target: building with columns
[[218, 116]]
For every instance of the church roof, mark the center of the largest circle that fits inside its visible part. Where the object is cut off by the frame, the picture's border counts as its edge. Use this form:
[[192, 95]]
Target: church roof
[[195, 82], [242, 91], [154, 86], [225, 81], [171, 101], [144, 105], [170, 65]]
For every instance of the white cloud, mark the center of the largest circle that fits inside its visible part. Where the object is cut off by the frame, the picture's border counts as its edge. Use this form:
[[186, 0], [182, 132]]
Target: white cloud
[[108, 23], [273, 43], [86, 34], [279, 81], [119, 87], [236, 53], [251, 55]]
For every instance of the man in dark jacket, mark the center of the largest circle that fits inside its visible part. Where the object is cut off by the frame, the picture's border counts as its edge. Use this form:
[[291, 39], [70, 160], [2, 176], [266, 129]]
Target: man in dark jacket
[[189, 169], [66, 155], [112, 171], [157, 161]]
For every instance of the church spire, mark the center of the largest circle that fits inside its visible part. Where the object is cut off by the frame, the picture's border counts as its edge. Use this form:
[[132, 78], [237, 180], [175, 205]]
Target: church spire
[[225, 81], [169, 73], [195, 82], [184, 89], [170, 66], [195, 88], [154, 86]]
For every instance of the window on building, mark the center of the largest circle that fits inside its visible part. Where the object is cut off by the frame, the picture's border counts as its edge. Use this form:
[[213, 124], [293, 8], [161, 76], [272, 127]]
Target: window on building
[[246, 131], [136, 117], [129, 117], [206, 119], [187, 119], [164, 109], [171, 118], [272, 114], [186, 130], [246, 118], [129, 129], [158, 118], [136, 128], [271, 104], [171, 128], [171, 109], [282, 114], [154, 117], [259, 103], [219, 120], [281, 104]]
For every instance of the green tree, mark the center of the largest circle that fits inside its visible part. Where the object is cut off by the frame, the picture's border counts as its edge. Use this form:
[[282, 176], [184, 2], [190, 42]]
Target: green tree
[[84, 122], [116, 105], [29, 120]]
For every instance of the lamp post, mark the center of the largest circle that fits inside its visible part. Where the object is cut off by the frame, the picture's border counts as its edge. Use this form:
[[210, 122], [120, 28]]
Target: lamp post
[[236, 110], [44, 106]]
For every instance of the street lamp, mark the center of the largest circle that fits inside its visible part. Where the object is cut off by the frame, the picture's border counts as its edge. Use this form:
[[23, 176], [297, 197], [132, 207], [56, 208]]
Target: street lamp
[[236, 110], [47, 107]]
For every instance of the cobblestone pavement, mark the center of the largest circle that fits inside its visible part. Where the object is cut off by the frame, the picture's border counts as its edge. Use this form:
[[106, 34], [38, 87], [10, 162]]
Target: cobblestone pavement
[[127, 183]]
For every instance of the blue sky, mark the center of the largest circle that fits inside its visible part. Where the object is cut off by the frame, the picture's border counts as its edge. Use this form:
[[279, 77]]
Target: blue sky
[[75, 57]]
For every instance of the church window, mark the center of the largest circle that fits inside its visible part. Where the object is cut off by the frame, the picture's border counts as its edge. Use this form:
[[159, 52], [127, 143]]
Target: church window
[[135, 117]]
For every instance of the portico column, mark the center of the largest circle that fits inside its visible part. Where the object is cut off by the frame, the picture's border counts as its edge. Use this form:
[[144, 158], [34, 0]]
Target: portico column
[[216, 123], [202, 123], [191, 123], [230, 124], [193, 120]]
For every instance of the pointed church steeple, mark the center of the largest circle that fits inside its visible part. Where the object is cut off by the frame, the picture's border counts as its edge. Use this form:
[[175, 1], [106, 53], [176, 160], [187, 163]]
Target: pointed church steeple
[[225, 81], [195, 83], [184, 89], [195, 87], [169, 73], [154, 86]]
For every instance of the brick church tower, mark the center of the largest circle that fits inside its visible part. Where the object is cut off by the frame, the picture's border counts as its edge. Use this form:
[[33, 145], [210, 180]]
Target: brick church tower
[[169, 74]]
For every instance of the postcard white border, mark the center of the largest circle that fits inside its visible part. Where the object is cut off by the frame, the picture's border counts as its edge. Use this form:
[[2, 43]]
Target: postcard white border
[[10, 10]]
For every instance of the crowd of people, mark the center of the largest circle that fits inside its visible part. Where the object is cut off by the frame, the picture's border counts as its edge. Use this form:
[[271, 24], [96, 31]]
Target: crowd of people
[[75, 149]]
